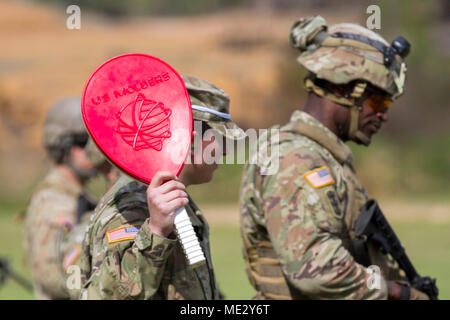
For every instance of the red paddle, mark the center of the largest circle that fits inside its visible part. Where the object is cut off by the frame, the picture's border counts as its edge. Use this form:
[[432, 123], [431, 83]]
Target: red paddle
[[138, 112]]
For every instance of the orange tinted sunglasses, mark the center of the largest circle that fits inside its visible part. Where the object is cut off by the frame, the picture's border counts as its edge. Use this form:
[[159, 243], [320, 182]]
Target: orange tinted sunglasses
[[378, 101]]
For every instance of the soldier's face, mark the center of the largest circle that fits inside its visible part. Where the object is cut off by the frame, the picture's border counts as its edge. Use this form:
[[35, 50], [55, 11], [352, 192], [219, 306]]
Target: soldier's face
[[374, 112], [202, 170], [79, 159], [370, 121]]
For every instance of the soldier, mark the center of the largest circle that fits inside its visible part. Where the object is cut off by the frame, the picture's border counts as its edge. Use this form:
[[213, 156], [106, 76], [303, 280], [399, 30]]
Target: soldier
[[71, 241], [60, 200], [298, 224], [96, 157], [130, 250]]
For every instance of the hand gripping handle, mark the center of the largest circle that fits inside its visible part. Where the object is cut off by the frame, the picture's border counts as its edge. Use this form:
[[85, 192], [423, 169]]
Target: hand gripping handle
[[188, 238]]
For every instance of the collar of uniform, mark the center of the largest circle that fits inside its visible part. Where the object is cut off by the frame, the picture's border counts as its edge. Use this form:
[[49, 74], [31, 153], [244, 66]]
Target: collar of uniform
[[194, 206], [305, 124], [126, 185]]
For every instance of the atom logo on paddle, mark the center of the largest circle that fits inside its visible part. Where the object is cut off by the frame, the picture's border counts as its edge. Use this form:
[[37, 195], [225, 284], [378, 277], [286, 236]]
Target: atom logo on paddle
[[144, 123]]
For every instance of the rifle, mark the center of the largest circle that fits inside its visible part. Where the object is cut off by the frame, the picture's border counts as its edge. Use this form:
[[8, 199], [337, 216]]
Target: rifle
[[85, 204], [372, 225], [5, 272]]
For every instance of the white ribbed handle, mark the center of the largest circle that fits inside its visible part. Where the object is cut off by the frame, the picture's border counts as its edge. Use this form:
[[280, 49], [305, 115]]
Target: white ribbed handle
[[188, 238]]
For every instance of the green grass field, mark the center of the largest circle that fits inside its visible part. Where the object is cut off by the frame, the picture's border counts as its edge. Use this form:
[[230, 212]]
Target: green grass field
[[427, 244]]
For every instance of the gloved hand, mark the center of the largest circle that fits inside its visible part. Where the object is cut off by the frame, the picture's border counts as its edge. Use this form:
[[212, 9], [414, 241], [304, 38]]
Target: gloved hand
[[400, 290]]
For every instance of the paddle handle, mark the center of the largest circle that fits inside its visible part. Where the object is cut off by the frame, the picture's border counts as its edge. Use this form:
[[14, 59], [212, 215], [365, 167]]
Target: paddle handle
[[189, 242]]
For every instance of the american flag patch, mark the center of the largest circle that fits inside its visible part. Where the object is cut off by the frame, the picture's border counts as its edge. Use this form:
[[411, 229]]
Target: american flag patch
[[123, 233], [319, 177], [71, 257]]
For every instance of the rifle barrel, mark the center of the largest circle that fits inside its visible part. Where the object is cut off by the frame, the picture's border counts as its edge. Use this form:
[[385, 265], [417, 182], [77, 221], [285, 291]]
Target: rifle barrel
[[21, 281]]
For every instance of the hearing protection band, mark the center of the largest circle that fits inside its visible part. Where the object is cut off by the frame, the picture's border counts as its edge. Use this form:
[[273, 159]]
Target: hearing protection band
[[212, 111]]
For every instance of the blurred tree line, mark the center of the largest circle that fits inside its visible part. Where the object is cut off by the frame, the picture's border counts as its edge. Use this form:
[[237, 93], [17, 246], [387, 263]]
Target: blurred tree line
[[120, 8], [411, 153]]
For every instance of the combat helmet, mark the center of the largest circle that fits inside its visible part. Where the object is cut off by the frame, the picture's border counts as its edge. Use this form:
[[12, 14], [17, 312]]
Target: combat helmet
[[211, 105], [64, 127], [348, 53]]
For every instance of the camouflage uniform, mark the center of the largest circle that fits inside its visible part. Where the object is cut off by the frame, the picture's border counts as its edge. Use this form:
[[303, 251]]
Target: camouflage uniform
[[54, 208], [303, 229], [71, 241], [148, 266], [51, 215], [123, 259], [298, 224]]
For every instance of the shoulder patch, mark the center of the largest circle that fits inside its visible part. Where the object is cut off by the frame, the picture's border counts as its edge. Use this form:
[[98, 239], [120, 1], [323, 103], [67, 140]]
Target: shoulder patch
[[320, 177], [71, 257], [123, 233]]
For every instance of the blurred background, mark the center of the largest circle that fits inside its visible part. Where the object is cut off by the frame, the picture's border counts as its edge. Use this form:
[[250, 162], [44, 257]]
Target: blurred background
[[241, 46]]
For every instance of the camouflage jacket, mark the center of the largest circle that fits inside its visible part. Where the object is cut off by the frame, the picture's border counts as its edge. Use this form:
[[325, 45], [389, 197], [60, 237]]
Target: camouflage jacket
[[70, 251], [123, 259], [50, 218], [306, 213]]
